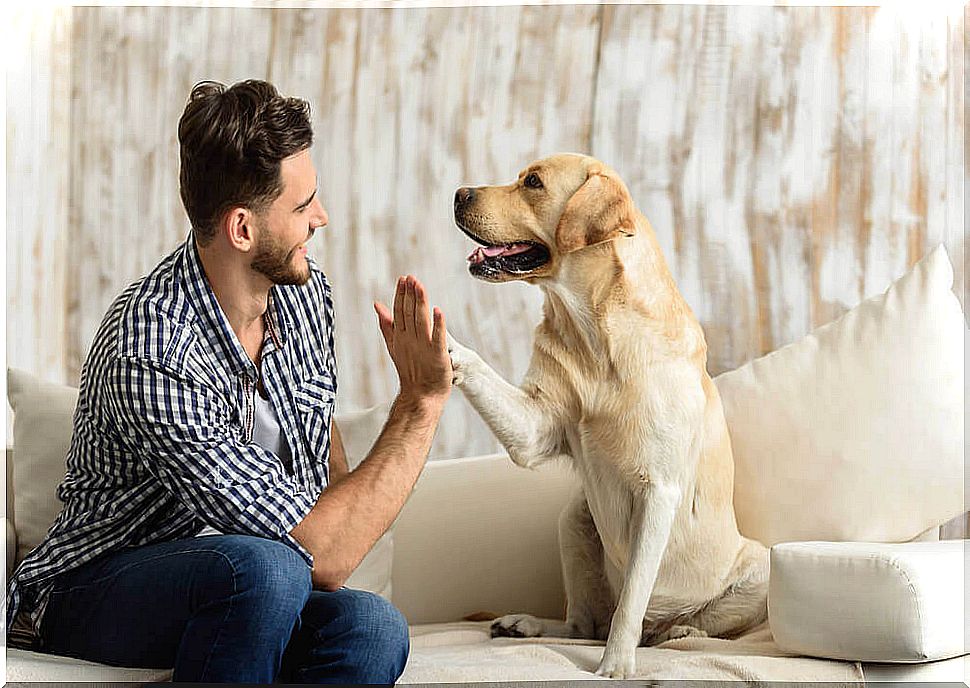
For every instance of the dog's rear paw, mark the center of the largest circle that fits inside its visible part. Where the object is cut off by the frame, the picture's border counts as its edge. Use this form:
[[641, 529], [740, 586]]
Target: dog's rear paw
[[516, 626], [678, 632]]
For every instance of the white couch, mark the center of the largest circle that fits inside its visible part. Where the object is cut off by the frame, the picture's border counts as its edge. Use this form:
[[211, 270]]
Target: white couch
[[478, 534], [848, 443]]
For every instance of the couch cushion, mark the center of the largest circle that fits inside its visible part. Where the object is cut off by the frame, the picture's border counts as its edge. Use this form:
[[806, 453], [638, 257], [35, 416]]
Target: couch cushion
[[868, 601], [463, 652], [35, 667], [856, 431], [479, 534], [42, 427], [43, 415], [358, 431]]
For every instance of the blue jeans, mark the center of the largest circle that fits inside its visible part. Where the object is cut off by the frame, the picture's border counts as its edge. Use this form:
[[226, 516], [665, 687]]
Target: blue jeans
[[223, 608]]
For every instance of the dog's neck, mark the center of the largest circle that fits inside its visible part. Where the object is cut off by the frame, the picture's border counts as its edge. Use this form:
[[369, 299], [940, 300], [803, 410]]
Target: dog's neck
[[628, 275]]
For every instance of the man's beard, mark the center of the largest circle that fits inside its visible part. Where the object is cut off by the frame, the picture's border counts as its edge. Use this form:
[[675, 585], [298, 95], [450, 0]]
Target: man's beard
[[276, 261]]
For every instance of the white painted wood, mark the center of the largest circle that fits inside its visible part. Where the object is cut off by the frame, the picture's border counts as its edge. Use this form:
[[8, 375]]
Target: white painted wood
[[792, 160], [40, 230]]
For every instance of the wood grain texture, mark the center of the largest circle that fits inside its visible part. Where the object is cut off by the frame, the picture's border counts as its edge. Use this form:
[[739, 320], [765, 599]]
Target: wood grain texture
[[40, 230], [792, 161]]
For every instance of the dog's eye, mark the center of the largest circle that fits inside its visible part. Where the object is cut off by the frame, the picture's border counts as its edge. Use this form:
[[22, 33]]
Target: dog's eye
[[532, 181]]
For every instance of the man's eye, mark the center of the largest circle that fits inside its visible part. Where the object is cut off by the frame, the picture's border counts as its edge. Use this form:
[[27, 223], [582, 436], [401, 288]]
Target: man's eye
[[533, 182]]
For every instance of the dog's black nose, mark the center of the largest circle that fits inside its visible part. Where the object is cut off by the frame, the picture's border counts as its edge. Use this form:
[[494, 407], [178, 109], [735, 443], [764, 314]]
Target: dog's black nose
[[463, 195]]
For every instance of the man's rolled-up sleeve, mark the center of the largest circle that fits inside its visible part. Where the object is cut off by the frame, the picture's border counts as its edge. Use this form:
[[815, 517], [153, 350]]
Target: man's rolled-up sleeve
[[181, 429]]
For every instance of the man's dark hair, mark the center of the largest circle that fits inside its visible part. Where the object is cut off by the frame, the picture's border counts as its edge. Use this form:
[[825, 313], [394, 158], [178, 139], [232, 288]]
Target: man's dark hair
[[231, 142]]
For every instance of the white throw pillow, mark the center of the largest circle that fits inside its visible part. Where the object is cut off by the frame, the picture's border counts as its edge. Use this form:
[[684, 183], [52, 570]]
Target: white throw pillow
[[42, 428], [856, 431], [358, 432], [42, 423]]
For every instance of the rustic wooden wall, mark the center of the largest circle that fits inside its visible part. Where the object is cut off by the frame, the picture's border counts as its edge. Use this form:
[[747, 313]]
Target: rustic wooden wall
[[792, 160]]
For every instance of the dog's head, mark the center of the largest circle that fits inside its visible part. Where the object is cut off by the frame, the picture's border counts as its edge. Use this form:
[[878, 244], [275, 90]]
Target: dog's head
[[557, 206]]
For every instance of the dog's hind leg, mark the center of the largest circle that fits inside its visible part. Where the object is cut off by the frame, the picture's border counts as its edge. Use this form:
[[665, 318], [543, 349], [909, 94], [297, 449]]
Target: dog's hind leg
[[744, 603], [589, 600], [589, 597]]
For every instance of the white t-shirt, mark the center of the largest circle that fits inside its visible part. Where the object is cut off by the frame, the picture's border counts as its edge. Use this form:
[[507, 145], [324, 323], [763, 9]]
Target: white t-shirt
[[266, 433]]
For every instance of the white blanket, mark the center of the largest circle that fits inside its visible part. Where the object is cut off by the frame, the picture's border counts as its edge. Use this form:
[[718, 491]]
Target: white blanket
[[464, 652]]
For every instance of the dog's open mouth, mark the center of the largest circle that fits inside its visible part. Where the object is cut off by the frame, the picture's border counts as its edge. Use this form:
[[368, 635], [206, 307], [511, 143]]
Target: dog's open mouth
[[517, 258]]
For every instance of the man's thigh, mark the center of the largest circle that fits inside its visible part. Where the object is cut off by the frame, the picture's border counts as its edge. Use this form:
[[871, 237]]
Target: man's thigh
[[132, 607]]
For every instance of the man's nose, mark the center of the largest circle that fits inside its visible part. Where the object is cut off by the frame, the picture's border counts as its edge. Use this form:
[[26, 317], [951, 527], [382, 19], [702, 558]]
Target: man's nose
[[320, 217]]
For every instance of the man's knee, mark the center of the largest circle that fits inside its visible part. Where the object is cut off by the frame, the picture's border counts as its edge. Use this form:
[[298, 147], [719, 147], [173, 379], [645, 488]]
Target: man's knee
[[375, 631], [264, 574]]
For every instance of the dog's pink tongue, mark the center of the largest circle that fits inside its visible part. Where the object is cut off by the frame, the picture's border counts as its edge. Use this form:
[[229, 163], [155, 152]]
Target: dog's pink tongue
[[516, 248], [481, 253]]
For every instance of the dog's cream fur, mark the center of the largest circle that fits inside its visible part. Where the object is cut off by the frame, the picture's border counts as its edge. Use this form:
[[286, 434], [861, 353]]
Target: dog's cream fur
[[617, 385]]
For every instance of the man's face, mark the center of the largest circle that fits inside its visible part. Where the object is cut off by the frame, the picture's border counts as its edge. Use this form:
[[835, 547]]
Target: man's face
[[283, 230]]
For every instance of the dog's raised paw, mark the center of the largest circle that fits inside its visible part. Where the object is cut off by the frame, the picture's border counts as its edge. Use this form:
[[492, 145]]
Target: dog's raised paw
[[460, 360], [516, 626]]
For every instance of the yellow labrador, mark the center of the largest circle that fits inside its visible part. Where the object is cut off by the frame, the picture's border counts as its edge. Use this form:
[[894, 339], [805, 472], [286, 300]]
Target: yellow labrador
[[618, 385]]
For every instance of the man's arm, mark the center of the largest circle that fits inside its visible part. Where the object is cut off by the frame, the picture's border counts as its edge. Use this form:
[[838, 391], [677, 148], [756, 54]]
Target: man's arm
[[181, 429], [353, 512], [338, 456]]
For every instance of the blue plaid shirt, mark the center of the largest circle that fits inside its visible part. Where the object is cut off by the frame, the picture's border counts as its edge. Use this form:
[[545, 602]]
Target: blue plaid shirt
[[162, 443]]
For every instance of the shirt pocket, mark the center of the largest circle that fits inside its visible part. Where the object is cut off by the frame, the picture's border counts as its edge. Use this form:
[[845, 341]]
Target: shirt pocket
[[314, 403]]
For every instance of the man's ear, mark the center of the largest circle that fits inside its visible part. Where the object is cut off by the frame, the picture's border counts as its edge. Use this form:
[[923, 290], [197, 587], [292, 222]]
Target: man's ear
[[238, 223], [600, 210]]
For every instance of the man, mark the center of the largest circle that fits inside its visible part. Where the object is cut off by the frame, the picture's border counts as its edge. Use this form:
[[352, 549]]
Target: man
[[206, 408]]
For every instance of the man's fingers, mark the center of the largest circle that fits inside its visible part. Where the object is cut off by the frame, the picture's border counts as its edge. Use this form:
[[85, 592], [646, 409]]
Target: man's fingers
[[422, 319], [439, 334], [385, 323], [409, 305], [399, 304]]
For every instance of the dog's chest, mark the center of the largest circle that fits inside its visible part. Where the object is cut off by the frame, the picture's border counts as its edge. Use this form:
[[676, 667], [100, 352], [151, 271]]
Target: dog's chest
[[623, 433], [618, 418]]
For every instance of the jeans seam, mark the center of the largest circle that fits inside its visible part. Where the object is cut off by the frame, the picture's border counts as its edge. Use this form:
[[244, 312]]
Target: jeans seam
[[222, 624], [115, 574]]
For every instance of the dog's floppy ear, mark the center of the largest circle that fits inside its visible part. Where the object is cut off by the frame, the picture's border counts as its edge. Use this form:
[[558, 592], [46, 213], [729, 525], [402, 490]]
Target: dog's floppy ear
[[600, 210]]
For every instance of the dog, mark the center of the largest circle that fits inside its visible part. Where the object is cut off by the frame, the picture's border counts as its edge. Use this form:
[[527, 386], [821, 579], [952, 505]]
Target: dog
[[618, 387]]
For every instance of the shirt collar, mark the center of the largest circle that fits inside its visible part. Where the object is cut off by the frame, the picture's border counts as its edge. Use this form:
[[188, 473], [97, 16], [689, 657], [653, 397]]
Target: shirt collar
[[216, 327]]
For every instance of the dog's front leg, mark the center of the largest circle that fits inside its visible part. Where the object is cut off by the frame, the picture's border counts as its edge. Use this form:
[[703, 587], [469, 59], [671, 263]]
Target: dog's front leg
[[519, 422], [655, 506]]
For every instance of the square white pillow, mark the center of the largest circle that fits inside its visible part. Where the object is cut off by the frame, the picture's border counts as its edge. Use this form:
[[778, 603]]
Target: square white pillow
[[856, 431], [42, 428], [42, 425]]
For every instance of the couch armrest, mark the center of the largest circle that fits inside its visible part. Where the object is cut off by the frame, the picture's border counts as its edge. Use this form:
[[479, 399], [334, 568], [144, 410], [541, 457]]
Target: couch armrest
[[480, 534], [11, 549], [870, 602]]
